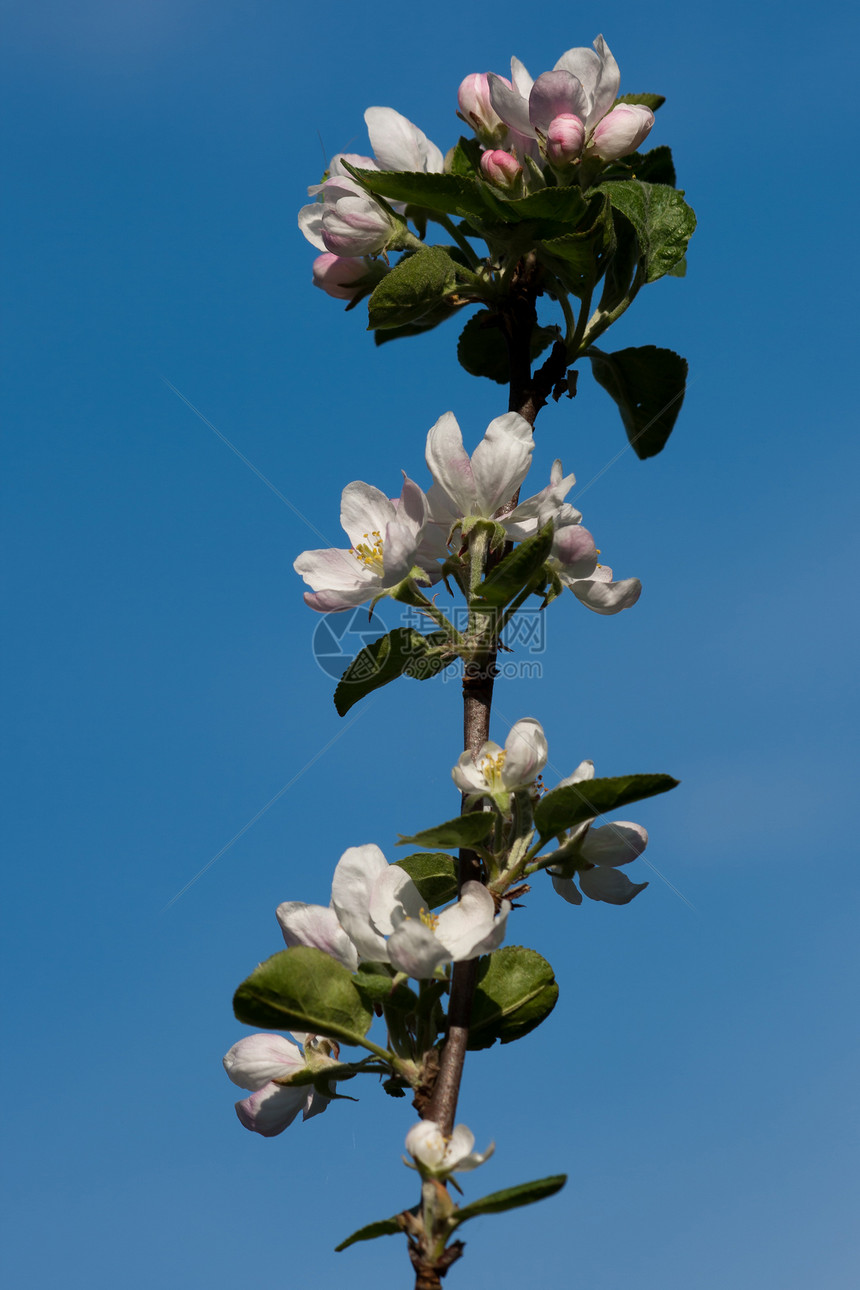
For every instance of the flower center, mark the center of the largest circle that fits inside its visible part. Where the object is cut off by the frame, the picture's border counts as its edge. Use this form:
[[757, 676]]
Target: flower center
[[369, 552], [491, 769], [428, 919]]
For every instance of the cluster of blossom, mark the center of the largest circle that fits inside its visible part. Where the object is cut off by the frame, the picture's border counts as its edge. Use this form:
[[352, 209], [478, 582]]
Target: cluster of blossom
[[377, 915], [392, 537], [563, 118]]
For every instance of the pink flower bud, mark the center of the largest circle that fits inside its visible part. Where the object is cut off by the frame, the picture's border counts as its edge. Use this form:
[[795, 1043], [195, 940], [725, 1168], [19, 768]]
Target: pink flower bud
[[336, 274], [500, 168], [565, 136], [621, 131], [473, 97]]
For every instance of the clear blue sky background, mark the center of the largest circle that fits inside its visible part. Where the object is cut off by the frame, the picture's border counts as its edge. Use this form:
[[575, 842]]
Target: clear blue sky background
[[698, 1078]]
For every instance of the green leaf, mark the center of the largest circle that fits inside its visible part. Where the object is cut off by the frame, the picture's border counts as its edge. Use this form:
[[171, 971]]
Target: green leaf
[[511, 1198], [517, 570], [515, 992], [483, 351], [564, 808], [652, 101], [655, 166], [376, 986], [462, 831], [663, 221], [648, 384], [403, 650], [303, 989], [434, 874], [385, 1227], [585, 254], [430, 658], [563, 205], [427, 323], [451, 194], [414, 288], [465, 158]]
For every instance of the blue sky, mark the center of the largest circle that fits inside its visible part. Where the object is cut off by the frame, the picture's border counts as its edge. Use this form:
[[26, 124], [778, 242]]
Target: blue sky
[[698, 1078]]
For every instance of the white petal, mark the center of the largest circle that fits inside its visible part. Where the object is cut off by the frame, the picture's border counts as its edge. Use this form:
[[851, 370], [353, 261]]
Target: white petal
[[460, 1144], [609, 885], [501, 461], [607, 597], [332, 569], [415, 950], [554, 94], [615, 843], [398, 144], [521, 80], [449, 463], [364, 510], [394, 893], [510, 105], [272, 1109], [463, 928], [310, 223], [357, 872], [257, 1059], [318, 926], [467, 776], [567, 889], [425, 1143], [585, 770], [526, 752]]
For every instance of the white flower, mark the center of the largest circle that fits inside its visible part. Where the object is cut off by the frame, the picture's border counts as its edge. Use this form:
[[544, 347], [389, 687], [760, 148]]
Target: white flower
[[497, 772], [582, 87], [385, 536], [479, 485], [378, 914], [256, 1062], [436, 1156], [605, 849]]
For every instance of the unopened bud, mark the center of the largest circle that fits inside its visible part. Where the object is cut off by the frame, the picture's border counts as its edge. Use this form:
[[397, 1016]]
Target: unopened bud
[[564, 139], [336, 275], [500, 168], [621, 131], [473, 98]]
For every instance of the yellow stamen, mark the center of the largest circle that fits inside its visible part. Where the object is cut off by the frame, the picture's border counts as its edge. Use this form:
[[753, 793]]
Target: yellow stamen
[[369, 552], [491, 769], [428, 919]]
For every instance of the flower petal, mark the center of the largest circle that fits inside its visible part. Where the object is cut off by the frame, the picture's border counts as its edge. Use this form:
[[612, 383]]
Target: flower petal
[[607, 597], [318, 926], [614, 844], [398, 144], [415, 950], [272, 1109], [585, 770], [567, 889], [467, 776], [393, 898], [501, 461], [449, 463], [554, 94], [355, 876], [364, 510], [464, 928], [257, 1059], [526, 751], [609, 885], [510, 105], [310, 223]]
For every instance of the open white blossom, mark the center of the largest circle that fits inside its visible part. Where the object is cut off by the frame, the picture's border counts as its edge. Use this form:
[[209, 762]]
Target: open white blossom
[[378, 914], [436, 1156], [497, 772], [386, 538], [476, 486]]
